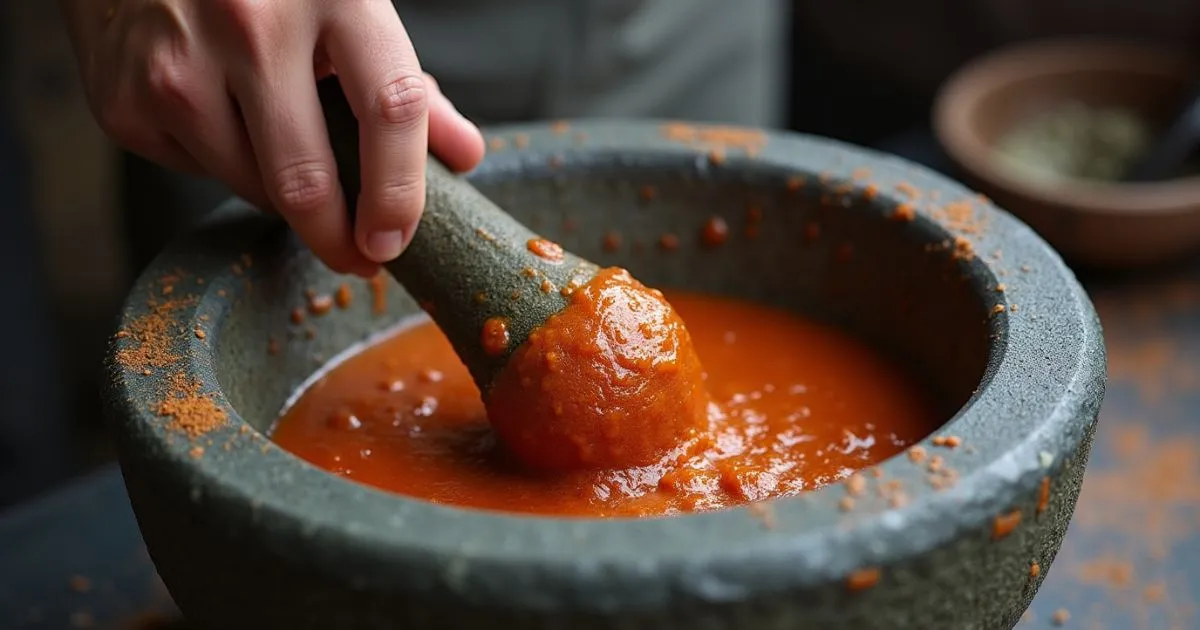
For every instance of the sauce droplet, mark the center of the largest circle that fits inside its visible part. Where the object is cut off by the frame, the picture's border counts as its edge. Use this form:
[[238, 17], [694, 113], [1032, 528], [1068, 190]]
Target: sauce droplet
[[715, 232], [544, 249], [495, 336]]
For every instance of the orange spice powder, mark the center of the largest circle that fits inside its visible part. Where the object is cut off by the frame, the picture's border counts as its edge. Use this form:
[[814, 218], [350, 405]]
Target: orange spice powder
[[863, 579]]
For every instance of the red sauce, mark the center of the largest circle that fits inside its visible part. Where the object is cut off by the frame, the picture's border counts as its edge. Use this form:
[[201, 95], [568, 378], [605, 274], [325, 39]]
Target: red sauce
[[544, 249], [494, 336], [796, 405], [715, 232], [611, 381]]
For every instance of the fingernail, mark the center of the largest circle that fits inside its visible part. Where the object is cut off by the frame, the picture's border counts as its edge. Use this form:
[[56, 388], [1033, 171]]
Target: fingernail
[[385, 245]]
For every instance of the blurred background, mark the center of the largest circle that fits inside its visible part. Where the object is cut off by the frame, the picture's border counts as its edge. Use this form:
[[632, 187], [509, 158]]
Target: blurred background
[[82, 218]]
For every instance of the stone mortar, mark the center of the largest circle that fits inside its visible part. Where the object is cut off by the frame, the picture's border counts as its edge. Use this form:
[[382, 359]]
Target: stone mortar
[[246, 535]]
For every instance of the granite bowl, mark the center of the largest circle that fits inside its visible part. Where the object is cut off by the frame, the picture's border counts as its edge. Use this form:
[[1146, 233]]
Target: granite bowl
[[246, 535]]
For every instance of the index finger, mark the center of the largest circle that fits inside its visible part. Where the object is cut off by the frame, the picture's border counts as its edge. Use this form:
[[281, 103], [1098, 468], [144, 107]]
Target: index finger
[[382, 79]]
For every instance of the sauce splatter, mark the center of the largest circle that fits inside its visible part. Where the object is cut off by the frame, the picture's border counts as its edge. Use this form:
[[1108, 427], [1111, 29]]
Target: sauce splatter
[[715, 232], [545, 249], [1005, 524], [863, 579], [343, 296], [495, 336]]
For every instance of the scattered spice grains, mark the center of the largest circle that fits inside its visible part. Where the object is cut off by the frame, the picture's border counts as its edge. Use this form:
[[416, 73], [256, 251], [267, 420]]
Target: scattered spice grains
[[1035, 570], [378, 286], [343, 296], [200, 334], [863, 579], [1060, 617], [147, 339], [1043, 495], [188, 409], [908, 190], [947, 441], [963, 249], [717, 137], [904, 212], [960, 217], [1005, 524], [794, 183], [297, 316], [916, 454], [319, 305], [855, 484]]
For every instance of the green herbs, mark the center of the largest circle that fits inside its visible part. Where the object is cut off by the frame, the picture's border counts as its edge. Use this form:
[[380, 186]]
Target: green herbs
[[1074, 141]]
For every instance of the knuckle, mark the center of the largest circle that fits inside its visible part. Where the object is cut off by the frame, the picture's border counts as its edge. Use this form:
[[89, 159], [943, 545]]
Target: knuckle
[[250, 24], [241, 13], [170, 81], [304, 188], [401, 102], [119, 123]]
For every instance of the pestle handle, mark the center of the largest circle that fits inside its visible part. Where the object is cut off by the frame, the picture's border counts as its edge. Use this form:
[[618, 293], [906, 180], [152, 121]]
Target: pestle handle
[[468, 261]]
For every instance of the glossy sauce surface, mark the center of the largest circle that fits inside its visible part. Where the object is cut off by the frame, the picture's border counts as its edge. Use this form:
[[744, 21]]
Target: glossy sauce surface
[[794, 405], [611, 381]]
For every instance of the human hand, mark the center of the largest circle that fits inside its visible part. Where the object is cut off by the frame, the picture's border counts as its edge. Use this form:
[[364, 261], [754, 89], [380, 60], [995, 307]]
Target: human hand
[[227, 88]]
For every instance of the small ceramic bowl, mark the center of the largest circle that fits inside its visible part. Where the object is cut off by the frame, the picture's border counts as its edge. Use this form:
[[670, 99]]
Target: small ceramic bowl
[[245, 535], [1092, 223]]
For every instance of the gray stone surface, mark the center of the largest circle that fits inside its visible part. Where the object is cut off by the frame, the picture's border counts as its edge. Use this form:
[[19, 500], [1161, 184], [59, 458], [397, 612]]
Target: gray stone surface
[[246, 535]]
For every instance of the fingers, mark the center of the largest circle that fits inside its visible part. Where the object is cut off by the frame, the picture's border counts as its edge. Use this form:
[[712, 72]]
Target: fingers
[[382, 78], [193, 102], [453, 138], [287, 131]]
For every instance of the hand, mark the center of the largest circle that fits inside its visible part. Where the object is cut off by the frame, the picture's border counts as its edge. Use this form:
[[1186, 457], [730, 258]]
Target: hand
[[227, 88]]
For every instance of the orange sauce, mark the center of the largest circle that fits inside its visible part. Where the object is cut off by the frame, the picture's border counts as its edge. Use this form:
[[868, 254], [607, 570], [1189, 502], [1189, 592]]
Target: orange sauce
[[610, 381], [494, 337], [546, 250], [794, 405]]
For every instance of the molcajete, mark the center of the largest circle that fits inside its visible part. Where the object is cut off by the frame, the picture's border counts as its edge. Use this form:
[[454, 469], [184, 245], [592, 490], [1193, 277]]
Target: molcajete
[[215, 338]]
